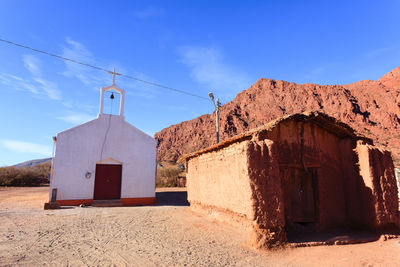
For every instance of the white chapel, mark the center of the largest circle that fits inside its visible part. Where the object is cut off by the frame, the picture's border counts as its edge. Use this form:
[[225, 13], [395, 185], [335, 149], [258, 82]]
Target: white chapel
[[104, 160]]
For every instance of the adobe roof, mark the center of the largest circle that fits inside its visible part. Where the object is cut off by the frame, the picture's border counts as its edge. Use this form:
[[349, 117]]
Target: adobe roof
[[323, 120]]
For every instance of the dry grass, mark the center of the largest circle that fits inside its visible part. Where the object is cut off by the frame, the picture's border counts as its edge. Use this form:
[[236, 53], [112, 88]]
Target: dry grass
[[170, 176], [25, 176]]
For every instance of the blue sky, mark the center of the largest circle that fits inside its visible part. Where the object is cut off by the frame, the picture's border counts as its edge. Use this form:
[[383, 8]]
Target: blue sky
[[196, 46]]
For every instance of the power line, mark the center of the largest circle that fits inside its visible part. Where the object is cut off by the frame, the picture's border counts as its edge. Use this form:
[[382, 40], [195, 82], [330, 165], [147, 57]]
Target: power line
[[102, 69]]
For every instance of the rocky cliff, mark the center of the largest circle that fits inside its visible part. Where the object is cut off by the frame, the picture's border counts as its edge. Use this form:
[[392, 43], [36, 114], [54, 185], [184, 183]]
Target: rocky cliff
[[371, 107]]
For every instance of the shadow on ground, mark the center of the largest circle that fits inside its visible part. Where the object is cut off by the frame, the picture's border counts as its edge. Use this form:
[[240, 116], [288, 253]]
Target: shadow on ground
[[344, 236], [172, 198]]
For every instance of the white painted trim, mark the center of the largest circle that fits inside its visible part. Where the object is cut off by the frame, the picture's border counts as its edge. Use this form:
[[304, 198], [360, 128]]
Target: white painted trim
[[109, 161]]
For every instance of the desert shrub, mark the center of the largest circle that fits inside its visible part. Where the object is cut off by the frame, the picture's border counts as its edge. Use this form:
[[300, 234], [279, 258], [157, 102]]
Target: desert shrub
[[170, 176], [25, 176]]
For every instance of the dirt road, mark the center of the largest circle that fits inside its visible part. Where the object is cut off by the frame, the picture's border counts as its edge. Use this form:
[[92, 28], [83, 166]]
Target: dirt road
[[168, 234]]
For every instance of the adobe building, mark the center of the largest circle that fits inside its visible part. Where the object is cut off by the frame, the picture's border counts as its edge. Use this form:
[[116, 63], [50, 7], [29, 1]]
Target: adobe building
[[105, 160], [397, 172], [303, 170]]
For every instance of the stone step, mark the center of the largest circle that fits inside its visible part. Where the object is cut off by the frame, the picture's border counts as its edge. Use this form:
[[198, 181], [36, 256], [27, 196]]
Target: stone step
[[107, 203]]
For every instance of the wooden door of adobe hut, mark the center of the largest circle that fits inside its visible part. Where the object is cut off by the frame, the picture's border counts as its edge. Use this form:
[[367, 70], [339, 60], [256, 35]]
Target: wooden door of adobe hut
[[302, 194]]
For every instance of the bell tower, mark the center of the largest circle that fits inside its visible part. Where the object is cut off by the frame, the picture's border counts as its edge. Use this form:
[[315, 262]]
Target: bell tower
[[113, 86]]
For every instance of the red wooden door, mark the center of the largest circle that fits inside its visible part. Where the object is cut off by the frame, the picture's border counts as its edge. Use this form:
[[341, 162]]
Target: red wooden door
[[107, 184]]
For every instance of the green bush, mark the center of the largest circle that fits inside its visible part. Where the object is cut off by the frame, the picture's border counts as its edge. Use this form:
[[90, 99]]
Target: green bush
[[25, 176]]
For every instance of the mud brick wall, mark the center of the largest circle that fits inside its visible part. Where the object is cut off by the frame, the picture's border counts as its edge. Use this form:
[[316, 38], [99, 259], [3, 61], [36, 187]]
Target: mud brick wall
[[397, 172], [267, 198], [377, 170], [221, 179]]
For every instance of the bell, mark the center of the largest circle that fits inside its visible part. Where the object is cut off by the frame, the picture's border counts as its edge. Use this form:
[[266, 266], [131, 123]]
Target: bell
[[112, 96]]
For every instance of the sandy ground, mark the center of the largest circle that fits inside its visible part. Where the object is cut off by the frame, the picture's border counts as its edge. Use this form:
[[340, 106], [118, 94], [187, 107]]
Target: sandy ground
[[168, 234]]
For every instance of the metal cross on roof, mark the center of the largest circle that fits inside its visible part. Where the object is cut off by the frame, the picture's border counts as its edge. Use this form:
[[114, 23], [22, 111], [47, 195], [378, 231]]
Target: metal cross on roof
[[114, 73]]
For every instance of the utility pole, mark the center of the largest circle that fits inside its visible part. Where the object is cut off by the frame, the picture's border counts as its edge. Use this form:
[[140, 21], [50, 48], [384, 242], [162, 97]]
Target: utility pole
[[217, 105]]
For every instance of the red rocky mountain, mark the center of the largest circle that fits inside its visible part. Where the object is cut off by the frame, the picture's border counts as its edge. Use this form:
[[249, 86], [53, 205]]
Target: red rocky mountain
[[370, 107]]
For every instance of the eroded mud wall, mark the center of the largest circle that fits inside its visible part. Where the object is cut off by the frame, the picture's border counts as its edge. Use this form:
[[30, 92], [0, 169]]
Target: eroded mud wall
[[220, 179], [358, 196], [377, 170], [268, 230], [397, 172]]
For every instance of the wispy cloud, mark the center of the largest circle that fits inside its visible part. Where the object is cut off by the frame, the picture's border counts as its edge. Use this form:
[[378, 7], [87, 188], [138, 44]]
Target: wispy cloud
[[32, 63], [26, 147], [95, 78], [149, 12], [207, 67], [37, 85], [77, 51], [378, 52], [49, 88], [18, 83], [77, 118]]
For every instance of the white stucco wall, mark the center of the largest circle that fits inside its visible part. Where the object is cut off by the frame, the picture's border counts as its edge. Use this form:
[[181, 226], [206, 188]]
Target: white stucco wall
[[79, 148]]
